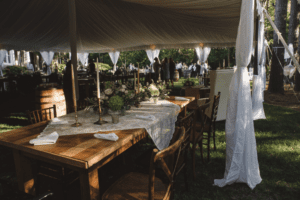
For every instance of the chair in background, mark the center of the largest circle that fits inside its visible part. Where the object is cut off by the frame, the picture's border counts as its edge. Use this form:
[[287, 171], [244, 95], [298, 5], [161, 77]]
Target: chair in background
[[208, 124], [192, 92], [142, 186], [45, 114]]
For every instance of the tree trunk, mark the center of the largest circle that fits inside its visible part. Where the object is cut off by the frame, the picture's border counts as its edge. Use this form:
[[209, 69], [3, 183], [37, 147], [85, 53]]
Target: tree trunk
[[297, 75], [293, 23], [276, 77], [228, 57]]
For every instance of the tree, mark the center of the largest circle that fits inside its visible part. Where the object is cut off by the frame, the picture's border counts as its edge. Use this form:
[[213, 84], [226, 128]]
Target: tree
[[276, 77], [297, 74]]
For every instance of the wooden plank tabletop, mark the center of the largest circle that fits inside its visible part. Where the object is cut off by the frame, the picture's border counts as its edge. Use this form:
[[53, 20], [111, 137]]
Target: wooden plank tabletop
[[82, 150]]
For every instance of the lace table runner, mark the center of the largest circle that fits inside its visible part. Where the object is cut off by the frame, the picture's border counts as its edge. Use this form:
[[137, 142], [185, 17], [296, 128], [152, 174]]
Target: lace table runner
[[160, 128]]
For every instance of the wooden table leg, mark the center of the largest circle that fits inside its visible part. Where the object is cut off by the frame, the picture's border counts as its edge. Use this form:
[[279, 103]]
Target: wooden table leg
[[184, 112], [24, 173], [89, 184]]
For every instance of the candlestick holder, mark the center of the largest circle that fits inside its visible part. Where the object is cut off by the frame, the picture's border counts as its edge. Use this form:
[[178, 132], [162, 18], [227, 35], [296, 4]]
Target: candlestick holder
[[100, 121], [77, 124]]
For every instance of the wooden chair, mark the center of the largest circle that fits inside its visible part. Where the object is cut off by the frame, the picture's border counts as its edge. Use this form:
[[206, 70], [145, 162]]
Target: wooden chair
[[142, 186], [37, 116], [197, 137], [46, 171], [192, 92], [208, 126]]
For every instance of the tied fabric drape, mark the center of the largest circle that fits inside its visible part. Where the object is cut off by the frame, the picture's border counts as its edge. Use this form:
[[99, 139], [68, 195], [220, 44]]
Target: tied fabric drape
[[258, 88], [202, 54], [12, 57], [2, 57], [151, 55], [83, 58], [114, 56], [48, 57], [241, 155]]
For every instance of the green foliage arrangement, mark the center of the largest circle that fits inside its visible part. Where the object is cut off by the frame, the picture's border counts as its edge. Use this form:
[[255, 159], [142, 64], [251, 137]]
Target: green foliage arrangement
[[15, 70], [115, 103], [189, 81]]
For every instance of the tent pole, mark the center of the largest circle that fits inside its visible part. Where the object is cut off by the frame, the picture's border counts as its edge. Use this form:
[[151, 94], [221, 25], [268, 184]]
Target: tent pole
[[72, 29], [282, 40]]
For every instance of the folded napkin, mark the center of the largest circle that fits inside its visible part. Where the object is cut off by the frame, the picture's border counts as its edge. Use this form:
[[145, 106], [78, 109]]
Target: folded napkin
[[151, 117], [167, 104], [45, 139], [110, 136], [58, 121], [181, 99]]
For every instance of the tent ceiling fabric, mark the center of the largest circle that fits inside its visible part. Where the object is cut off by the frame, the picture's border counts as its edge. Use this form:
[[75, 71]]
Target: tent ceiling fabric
[[122, 25]]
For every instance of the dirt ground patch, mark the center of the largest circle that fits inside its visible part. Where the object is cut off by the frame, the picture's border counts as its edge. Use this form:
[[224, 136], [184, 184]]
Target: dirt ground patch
[[287, 100]]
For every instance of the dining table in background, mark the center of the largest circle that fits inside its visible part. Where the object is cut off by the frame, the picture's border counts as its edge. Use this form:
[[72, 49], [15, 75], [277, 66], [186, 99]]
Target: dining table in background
[[84, 154]]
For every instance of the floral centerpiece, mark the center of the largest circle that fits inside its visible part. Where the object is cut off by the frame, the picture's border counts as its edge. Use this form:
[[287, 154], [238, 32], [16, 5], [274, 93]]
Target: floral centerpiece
[[154, 92]]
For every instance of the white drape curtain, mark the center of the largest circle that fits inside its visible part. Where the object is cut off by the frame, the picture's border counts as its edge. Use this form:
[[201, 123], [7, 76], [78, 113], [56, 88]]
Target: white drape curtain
[[151, 55], [83, 58], [258, 87], [12, 57], [241, 154], [2, 57], [114, 56], [48, 57], [202, 54]]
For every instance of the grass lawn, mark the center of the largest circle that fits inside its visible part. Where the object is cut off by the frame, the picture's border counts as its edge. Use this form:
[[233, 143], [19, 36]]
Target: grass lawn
[[278, 148]]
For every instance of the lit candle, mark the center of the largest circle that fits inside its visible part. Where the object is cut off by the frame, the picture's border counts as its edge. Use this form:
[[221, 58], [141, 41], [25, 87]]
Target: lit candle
[[73, 86], [98, 88]]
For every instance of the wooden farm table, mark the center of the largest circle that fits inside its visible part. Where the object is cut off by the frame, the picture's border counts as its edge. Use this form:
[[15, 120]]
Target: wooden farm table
[[202, 90], [83, 153], [182, 104]]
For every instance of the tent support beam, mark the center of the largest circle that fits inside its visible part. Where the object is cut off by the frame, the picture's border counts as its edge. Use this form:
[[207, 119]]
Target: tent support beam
[[282, 40], [73, 41]]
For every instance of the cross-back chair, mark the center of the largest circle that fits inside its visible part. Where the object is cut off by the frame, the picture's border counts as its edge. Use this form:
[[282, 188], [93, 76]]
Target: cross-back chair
[[192, 92], [45, 114], [207, 126], [142, 186]]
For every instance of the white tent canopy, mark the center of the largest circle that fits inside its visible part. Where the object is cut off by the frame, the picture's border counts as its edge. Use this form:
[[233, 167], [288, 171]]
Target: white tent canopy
[[120, 25]]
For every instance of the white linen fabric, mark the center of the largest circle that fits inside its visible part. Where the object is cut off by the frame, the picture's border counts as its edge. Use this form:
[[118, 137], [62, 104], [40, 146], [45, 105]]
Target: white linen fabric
[[48, 57], [124, 25], [160, 128], [83, 57], [241, 154], [2, 57], [114, 56], [258, 87], [202, 54], [151, 55], [110, 136], [30, 67], [45, 139]]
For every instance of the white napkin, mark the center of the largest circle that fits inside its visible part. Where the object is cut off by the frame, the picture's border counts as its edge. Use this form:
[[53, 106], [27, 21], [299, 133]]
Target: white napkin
[[58, 121], [151, 117], [181, 99], [110, 136], [45, 139]]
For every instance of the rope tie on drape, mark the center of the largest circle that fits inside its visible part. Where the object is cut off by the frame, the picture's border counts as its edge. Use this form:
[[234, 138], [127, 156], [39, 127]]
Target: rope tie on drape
[[114, 56]]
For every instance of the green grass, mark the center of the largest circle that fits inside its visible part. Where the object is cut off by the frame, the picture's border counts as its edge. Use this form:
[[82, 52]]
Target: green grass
[[278, 149]]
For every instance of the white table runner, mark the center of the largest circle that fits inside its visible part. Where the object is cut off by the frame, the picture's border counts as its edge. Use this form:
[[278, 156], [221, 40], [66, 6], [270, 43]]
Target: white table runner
[[160, 129]]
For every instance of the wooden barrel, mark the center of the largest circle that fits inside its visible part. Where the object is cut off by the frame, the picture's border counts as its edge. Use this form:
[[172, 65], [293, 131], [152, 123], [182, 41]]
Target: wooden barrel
[[176, 76], [48, 96]]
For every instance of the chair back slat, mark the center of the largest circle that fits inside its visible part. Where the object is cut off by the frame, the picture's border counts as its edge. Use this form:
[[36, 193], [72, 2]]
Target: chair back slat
[[215, 107], [37, 116], [157, 158]]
